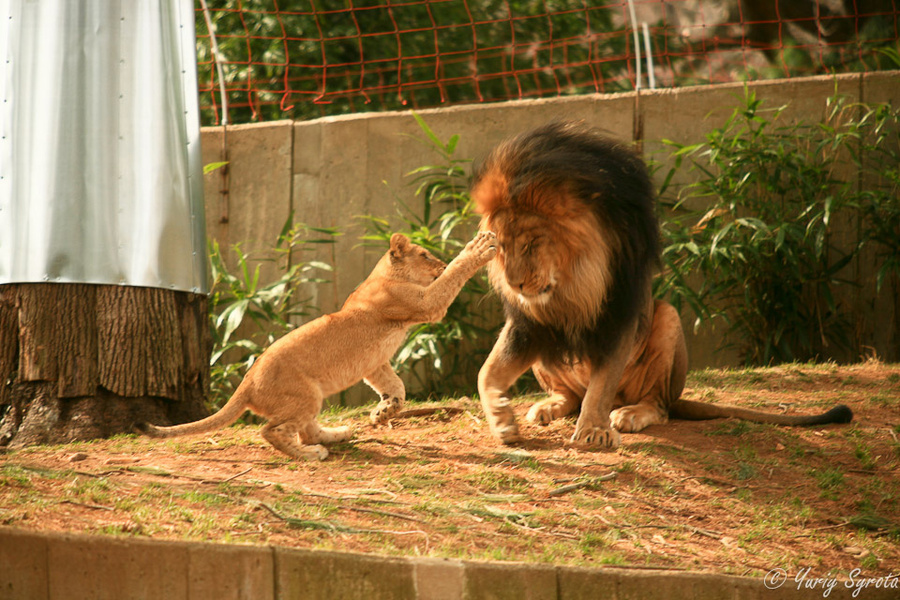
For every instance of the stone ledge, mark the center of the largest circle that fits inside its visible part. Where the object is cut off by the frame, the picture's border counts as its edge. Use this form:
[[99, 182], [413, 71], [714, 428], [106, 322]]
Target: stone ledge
[[44, 566]]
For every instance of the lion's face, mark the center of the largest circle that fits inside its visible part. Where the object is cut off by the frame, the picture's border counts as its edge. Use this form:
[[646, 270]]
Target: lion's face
[[527, 265], [413, 263], [555, 254], [555, 268]]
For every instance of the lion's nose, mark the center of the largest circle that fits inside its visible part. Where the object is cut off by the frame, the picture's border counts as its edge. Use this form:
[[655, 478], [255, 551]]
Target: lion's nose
[[517, 283]]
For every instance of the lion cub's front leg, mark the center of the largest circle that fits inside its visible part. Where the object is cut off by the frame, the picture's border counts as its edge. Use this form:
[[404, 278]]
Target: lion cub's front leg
[[440, 294], [390, 388], [477, 253]]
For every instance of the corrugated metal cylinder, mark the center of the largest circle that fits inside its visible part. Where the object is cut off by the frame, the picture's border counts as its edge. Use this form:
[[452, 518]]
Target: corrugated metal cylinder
[[100, 168]]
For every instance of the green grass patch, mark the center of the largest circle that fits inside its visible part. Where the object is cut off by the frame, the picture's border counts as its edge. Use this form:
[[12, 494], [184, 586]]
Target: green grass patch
[[497, 481]]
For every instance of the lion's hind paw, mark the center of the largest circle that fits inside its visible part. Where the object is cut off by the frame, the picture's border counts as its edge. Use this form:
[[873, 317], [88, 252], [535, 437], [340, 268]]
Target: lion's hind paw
[[636, 417], [550, 409]]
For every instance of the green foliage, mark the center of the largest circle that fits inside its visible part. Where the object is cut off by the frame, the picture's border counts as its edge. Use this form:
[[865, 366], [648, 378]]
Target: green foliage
[[756, 238], [266, 310], [445, 354], [878, 160], [209, 168]]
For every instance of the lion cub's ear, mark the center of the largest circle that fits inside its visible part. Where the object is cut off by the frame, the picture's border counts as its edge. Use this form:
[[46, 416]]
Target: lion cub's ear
[[399, 246]]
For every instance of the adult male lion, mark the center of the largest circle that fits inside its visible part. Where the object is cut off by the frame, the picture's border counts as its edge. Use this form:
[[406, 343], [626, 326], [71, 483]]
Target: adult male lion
[[579, 243]]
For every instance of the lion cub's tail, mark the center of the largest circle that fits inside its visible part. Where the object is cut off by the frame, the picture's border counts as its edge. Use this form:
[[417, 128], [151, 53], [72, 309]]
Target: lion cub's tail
[[227, 415], [699, 411]]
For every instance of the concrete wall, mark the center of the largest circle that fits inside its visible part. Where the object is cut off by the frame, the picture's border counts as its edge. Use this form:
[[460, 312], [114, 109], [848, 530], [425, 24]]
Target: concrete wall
[[35, 566], [329, 171]]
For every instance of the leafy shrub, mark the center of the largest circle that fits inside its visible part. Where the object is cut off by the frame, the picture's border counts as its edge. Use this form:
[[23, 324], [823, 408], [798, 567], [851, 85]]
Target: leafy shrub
[[878, 161], [263, 311], [758, 229]]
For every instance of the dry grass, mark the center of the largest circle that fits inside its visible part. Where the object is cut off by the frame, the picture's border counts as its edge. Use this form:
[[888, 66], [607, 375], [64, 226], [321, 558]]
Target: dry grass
[[723, 496]]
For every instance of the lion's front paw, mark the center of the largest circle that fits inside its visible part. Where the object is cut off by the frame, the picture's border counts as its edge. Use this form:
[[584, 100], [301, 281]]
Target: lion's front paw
[[386, 409], [502, 423], [483, 247], [595, 438], [508, 434]]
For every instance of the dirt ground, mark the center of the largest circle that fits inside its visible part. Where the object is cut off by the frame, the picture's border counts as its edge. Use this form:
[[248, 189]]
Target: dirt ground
[[723, 496]]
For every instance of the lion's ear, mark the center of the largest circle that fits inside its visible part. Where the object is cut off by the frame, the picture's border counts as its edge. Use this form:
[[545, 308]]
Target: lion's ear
[[490, 193], [399, 246]]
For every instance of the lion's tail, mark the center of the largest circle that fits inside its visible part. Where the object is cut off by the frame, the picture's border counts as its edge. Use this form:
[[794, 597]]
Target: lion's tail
[[227, 415], [700, 411]]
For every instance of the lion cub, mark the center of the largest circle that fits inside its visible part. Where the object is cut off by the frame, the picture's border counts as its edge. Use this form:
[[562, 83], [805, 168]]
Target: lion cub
[[290, 380]]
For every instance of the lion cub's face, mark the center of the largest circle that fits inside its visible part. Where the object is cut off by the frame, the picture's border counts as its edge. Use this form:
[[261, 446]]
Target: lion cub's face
[[527, 265], [413, 263]]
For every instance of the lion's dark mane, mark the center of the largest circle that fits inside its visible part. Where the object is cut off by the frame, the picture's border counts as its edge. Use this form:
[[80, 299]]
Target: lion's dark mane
[[613, 181]]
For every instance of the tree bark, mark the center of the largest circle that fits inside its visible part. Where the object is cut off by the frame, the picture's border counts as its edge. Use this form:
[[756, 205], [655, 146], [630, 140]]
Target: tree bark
[[81, 361]]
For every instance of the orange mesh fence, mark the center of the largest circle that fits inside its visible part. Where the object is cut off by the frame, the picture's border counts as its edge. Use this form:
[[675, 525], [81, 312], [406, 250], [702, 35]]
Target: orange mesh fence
[[303, 59]]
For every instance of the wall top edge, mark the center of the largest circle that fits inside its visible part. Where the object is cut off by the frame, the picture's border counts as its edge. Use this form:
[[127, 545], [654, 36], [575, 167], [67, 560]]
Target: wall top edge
[[843, 78], [14, 535]]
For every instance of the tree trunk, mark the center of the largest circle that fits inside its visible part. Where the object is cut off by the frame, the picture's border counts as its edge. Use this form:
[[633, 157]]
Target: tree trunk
[[81, 361]]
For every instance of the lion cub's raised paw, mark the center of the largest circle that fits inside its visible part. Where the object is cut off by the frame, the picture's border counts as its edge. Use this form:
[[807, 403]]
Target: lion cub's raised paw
[[483, 247]]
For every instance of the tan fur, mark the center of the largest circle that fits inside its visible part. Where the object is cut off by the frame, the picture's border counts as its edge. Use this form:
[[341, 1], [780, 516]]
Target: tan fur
[[290, 380], [575, 218], [639, 387], [651, 376], [554, 263]]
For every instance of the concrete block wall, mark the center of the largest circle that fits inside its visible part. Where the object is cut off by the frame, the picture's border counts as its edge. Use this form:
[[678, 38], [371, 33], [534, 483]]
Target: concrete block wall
[[42, 566], [329, 171]]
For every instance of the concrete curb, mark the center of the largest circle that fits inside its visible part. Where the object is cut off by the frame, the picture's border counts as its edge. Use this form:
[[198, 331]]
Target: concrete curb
[[41, 566]]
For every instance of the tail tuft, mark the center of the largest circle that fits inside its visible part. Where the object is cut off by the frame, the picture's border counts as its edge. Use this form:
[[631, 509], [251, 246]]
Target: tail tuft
[[839, 414]]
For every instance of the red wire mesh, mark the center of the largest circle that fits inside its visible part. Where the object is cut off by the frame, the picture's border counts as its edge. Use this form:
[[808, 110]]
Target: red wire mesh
[[304, 59]]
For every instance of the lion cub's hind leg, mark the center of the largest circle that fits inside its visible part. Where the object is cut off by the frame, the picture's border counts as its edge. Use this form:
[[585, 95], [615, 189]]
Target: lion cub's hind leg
[[390, 388], [314, 433], [286, 438]]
